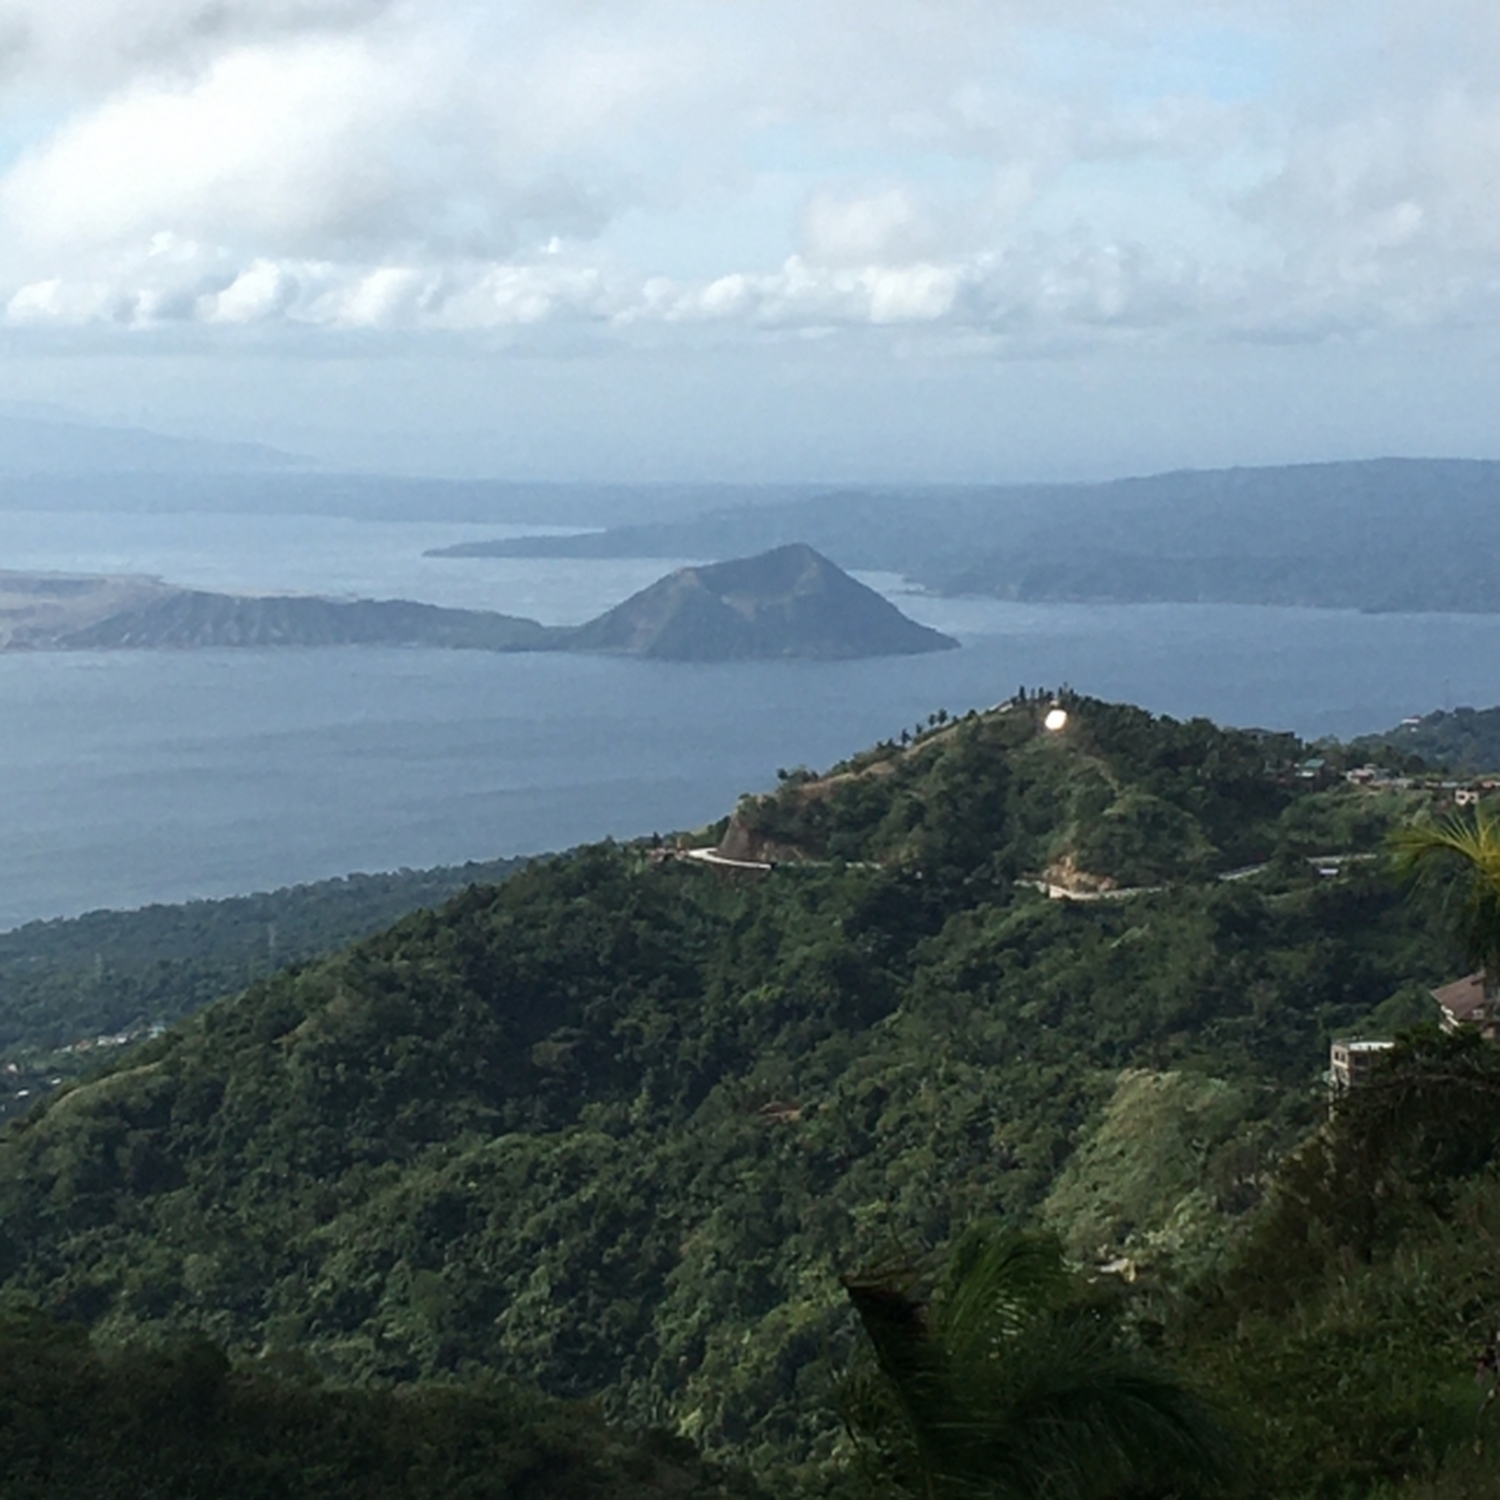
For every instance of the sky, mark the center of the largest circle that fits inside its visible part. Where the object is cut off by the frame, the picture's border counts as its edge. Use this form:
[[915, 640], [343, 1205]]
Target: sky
[[892, 240]]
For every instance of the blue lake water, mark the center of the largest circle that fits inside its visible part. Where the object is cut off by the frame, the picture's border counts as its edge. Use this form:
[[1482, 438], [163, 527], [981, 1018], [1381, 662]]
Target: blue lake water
[[137, 777]]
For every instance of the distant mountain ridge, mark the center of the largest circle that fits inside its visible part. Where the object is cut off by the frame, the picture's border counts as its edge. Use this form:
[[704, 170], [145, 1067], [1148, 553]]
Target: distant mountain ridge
[[60, 444], [1377, 535], [791, 602]]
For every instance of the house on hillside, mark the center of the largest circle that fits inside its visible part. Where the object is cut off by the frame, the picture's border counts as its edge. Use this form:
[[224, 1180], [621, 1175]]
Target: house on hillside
[[1350, 1063], [1470, 1001]]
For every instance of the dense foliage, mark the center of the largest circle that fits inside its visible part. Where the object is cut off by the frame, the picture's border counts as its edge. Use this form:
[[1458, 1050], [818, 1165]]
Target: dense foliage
[[1467, 739], [70, 985], [1357, 1330], [983, 800], [615, 1126], [179, 1422], [1012, 1378]]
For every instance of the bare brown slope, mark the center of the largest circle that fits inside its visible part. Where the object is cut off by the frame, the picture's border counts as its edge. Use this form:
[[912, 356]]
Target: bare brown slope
[[37, 608]]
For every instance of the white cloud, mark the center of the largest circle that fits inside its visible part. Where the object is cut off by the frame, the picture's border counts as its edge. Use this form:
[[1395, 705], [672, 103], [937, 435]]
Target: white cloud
[[262, 290], [885, 228], [1031, 173], [99, 44], [263, 149]]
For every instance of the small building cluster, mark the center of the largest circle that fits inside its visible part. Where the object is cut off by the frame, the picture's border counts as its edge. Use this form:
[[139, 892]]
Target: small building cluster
[[1470, 1003], [1382, 779]]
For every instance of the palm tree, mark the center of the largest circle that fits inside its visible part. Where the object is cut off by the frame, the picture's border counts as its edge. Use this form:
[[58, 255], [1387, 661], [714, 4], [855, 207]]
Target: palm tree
[[1474, 845], [1005, 1384]]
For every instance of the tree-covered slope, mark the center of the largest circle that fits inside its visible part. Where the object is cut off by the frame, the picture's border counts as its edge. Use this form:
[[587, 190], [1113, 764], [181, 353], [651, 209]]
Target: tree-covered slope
[[1354, 1335], [70, 986], [81, 1421], [1113, 794], [1464, 740], [615, 1125]]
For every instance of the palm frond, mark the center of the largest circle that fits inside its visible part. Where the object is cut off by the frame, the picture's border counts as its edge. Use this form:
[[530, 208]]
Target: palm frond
[[1473, 843], [998, 1283], [1009, 1386], [1072, 1414], [1475, 840]]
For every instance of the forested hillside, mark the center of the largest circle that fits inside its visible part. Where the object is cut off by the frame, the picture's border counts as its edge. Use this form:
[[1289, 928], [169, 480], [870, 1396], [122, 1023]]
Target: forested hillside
[[1463, 740], [1354, 1334], [615, 1126], [70, 986], [87, 1421]]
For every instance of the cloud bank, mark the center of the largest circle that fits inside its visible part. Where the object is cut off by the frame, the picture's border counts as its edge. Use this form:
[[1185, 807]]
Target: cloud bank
[[998, 176]]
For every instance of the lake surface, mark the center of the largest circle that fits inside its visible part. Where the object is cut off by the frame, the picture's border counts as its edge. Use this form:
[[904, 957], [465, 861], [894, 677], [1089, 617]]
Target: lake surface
[[136, 777]]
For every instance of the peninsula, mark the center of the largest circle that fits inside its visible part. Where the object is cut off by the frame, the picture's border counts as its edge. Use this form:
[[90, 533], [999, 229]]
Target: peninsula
[[790, 602], [1380, 535], [47, 612]]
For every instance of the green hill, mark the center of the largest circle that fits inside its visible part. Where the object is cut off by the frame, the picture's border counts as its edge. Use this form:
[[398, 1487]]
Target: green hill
[[73, 989], [86, 1421], [1467, 740], [1353, 1334], [614, 1126]]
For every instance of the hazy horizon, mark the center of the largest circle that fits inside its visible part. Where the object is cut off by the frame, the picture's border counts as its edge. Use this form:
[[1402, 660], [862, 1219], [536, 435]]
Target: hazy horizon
[[754, 242], [42, 442]]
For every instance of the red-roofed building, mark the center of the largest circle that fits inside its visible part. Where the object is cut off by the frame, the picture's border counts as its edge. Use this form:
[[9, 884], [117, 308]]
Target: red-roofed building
[[1470, 1001]]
